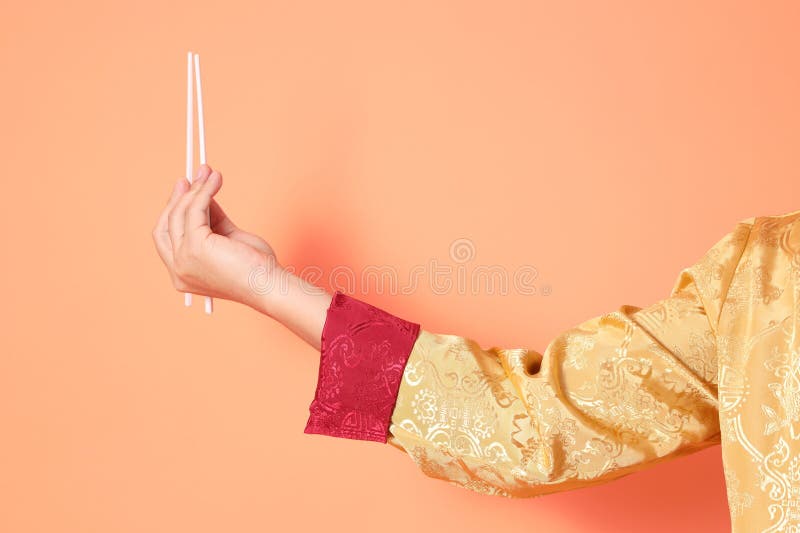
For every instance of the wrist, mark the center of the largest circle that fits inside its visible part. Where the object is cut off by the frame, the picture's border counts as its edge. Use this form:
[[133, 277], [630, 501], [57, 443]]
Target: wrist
[[263, 284], [294, 302]]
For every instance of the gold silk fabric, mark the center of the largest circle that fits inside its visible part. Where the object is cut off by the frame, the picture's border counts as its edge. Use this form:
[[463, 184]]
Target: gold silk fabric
[[714, 362]]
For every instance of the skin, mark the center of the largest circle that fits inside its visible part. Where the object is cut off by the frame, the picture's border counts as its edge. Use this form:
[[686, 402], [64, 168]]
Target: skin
[[217, 258]]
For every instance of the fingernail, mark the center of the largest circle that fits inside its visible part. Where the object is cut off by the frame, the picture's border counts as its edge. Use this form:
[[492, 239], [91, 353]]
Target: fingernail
[[199, 172]]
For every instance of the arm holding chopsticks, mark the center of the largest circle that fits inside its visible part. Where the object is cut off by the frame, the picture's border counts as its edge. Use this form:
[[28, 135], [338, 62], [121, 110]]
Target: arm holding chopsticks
[[614, 394]]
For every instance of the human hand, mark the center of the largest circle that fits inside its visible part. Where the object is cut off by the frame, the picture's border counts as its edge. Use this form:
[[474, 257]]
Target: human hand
[[210, 258], [215, 258]]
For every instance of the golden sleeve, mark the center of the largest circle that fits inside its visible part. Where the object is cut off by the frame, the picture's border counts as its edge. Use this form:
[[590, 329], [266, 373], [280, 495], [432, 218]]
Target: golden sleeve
[[608, 397]]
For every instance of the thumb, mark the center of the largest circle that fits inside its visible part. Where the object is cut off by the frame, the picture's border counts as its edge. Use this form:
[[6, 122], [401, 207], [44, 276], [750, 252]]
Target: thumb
[[197, 212]]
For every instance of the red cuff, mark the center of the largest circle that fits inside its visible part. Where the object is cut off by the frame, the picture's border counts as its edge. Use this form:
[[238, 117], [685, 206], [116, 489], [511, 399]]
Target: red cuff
[[362, 359]]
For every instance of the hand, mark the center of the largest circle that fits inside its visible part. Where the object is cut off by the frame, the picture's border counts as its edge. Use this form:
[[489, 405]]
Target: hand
[[216, 258], [211, 258]]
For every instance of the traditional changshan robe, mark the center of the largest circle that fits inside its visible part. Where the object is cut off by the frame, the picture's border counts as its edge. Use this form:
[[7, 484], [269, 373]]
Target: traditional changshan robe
[[717, 361]]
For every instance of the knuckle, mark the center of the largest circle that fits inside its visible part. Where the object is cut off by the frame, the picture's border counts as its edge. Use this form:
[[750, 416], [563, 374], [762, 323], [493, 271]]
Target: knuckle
[[179, 284], [181, 273], [158, 231]]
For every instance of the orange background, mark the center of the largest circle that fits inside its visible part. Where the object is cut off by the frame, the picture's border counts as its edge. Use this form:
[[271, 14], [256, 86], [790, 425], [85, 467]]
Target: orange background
[[608, 144]]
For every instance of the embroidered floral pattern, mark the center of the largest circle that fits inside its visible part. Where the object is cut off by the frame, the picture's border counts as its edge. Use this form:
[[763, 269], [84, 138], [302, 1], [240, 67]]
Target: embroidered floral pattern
[[363, 354], [717, 361]]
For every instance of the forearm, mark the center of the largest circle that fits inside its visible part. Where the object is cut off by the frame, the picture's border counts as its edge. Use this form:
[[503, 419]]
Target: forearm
[[295, 303]]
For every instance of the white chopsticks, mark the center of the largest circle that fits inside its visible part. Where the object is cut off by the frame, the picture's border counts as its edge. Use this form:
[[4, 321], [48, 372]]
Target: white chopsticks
[[187, 297]]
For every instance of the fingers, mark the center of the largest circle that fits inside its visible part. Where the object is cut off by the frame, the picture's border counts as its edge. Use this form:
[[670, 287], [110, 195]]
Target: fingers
[[177, 216], [160, 231], [180, 187], [197, 211]]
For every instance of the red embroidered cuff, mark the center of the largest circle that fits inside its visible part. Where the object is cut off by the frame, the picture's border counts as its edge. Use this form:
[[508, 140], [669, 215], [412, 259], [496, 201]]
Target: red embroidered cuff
[[363, 355]]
